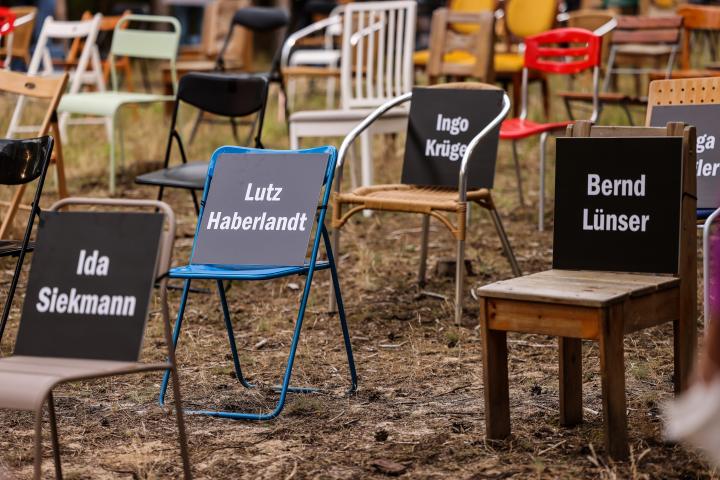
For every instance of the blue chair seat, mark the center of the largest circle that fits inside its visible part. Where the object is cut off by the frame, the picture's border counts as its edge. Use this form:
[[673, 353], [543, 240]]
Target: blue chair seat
[[241, 272]]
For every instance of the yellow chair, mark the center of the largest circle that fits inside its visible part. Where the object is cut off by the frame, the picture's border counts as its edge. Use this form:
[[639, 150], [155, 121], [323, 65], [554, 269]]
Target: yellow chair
[[421, 57]]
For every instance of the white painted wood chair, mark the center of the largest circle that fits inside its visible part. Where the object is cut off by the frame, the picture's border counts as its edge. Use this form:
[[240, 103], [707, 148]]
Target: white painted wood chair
[[375, 67]]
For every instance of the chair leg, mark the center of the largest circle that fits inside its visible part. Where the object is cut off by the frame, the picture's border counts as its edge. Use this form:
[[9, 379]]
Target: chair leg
[[517, 173], [37, 461], [366, 163], [495, 377], [341, 312], [332, 303], [180, 417], [507, 248], [612, 373], [231, 335], [111, 179], [175, 337], [424, 250], [459, 280], [541, 200], [54, 436], [121, 140], [570, 381]]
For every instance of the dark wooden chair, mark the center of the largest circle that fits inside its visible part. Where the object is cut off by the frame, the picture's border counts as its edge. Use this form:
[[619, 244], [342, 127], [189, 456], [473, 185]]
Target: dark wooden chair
[[601, 306]]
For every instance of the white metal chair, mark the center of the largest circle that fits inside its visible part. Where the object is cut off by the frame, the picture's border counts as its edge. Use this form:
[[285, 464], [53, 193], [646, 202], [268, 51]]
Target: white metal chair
[[133, 43], [375, 66], [41, 64]]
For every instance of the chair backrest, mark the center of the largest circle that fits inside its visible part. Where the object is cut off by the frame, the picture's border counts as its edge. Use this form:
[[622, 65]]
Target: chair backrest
[[268, 230], [647, 30], [377, 48], [77, 285], [470, 6], [696, 17], [530, 17], [45, 88], [217, 22], [7, 21], [22, 34], [691, 100], [144, 43], [24, 160], [566, 51], [480, 41], [685, 188]]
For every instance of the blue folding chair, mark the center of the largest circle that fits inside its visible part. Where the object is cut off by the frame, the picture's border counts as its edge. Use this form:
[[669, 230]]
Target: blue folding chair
[[221, 273]]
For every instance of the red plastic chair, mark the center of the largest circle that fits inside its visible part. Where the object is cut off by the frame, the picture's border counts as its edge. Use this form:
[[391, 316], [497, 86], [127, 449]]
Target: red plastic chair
[[565, 51], [7, 25]]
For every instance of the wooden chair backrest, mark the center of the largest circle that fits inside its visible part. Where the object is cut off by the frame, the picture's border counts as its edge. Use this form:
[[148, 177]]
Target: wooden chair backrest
[[696, 17], [687, 258], [216, 23], [647, 30], [107, 24], [22, 35], [480, 42], [45, 88], [682, 91]]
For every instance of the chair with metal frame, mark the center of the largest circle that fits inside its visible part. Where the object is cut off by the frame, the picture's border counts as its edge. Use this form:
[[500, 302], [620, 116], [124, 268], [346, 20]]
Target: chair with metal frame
[[565, 58], [227, 95], [24, 161], [435, 202], [49, 90], [28, 380], [221, 273], [133, 43]]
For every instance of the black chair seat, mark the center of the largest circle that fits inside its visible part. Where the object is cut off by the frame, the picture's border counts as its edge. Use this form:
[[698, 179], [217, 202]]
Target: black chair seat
[[13, 247], [189, 175], [261, 19]]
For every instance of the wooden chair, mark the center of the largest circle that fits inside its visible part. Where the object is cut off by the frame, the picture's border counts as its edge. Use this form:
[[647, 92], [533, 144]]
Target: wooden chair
[[441, 203], [446, 43], [50, 90], [577, 305], [22, 35]]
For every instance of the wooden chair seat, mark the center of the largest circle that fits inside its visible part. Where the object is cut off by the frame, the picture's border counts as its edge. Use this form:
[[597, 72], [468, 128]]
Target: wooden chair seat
[[577, 287], [410, 199]]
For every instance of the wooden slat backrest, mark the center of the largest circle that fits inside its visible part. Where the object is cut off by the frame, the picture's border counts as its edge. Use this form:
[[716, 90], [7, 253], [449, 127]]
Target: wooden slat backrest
[[479, 43], [687, 259], [647, 30], [683, 91]]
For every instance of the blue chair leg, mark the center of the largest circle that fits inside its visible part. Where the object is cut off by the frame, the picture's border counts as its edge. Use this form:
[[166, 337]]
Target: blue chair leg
[[175, 337], [231, 335], [341, 311]]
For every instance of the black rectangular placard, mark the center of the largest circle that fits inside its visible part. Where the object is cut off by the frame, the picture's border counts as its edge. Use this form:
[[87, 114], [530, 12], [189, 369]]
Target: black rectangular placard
[[707, 167], [89, 287], [442, 123], [617, 204], [260, 209]]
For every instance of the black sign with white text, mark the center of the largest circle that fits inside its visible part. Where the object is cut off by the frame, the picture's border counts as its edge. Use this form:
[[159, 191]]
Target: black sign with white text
[[260, 209], [707, 167], [442, 124], [617, 204], [89, 287]]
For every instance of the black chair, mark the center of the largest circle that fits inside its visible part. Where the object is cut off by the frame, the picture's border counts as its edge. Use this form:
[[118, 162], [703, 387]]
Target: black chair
[[21, 162], [226, 95]]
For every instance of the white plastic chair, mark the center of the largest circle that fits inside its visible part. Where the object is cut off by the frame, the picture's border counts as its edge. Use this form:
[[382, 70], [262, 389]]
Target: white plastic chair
[[41, 64], [375, 66], [133, 43]]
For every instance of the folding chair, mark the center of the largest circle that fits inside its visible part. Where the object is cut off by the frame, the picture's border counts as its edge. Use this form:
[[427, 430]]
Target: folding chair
[[220, 94], [431, 201], [50, 90], [42, 361], [88, 69], [7, 26], [220, 273], [133, 43], [17, 45], [23, 161]]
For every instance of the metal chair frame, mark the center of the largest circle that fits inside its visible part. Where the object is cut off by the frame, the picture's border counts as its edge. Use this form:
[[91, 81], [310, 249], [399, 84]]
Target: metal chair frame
[[220, 273]]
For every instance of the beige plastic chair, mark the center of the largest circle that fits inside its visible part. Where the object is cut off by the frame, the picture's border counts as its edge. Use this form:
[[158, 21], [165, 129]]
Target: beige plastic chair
[[27, 382]]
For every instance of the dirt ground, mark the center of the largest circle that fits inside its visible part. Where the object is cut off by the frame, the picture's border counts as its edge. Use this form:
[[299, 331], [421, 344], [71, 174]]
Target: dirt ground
[[418, 411]]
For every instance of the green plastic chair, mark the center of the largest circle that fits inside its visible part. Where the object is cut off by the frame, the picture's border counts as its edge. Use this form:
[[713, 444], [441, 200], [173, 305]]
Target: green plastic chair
[[133, 43]]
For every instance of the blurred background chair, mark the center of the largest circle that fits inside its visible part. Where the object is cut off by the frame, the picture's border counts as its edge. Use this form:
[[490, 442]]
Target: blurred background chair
[[24, 26], [133, 43]]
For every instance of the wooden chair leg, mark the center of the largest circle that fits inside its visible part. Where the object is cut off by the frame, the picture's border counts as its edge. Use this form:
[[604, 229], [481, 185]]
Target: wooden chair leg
[[59, 162], [54, 436], [517, 93], [570, 381], [495, 377], [612, 372], [685, 338]]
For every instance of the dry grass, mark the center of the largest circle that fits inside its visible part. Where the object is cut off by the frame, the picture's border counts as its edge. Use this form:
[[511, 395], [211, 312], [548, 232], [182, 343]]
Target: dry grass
[[419, 403]]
